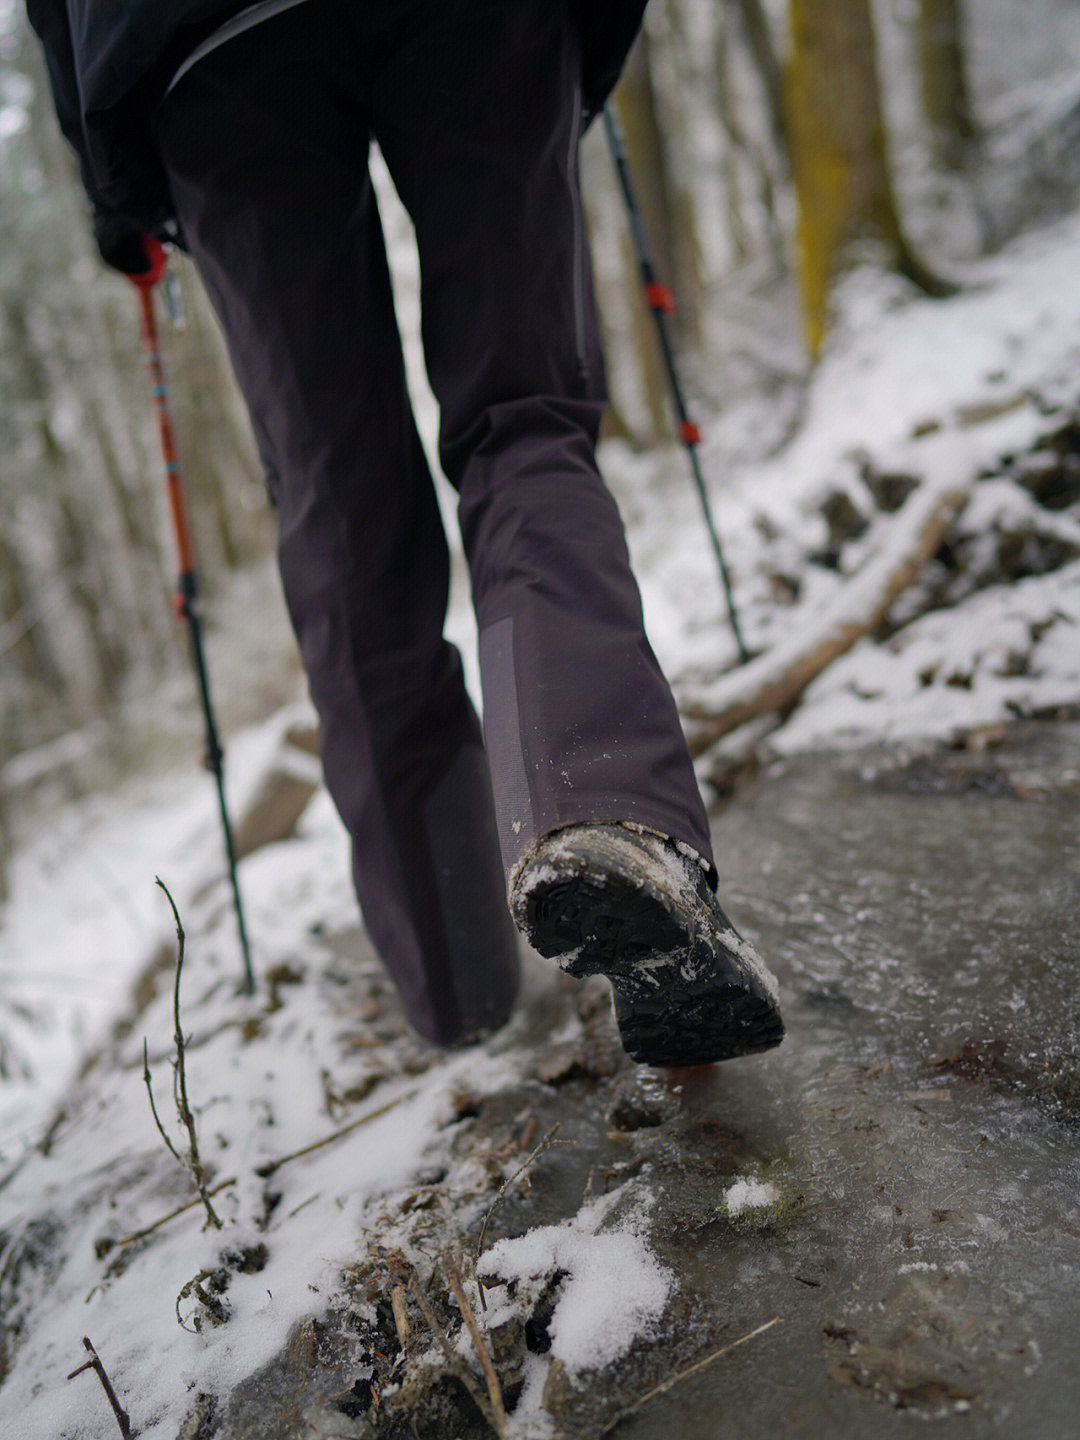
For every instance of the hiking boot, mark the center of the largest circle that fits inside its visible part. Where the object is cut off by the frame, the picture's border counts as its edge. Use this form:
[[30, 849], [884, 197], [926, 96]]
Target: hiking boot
[[630, 904]]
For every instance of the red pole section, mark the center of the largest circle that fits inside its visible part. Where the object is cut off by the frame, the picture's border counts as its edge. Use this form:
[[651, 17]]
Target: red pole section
[[174, 486]]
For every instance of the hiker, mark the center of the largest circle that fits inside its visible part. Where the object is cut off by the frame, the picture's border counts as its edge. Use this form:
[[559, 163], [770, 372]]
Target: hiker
[[242, 133]]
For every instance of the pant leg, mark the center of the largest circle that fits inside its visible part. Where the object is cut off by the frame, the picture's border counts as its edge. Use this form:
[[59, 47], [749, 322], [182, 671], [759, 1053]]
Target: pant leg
[[477, 111], [266, 144]]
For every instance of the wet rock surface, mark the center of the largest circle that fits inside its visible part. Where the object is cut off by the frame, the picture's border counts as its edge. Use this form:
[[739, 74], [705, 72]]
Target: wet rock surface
[[920, 1122], [912, 1149]]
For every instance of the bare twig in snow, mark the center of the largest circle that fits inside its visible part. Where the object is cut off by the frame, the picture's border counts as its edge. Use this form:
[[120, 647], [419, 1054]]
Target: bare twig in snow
[[183, 1108], [94, 1363], [265, 1171], [153, 1107], [498, 1409], [180, 1210], [533, 1156], [681, 1375]]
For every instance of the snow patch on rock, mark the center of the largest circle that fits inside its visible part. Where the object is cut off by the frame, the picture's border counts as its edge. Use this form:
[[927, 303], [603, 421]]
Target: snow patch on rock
[[612, 1290], [749, 1195]]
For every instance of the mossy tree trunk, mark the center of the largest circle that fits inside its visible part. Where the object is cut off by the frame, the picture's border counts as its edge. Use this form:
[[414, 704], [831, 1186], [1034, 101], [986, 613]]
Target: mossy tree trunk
[[837, 143]]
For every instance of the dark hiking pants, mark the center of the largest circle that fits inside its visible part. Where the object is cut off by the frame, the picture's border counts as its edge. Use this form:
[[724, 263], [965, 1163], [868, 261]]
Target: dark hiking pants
[[475, 108]]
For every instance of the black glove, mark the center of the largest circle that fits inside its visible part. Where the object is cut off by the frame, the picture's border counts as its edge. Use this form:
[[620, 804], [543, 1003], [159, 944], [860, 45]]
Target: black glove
[[124, 247]]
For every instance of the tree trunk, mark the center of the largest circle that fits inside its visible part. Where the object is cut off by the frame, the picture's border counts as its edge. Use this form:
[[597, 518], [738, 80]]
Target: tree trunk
[[751, 164], [838, 152], [636, 102], [946, 104], [755, 25]]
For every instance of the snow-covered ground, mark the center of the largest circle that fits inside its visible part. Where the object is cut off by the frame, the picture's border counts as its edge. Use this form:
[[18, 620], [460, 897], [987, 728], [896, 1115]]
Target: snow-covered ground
[[932, 391]]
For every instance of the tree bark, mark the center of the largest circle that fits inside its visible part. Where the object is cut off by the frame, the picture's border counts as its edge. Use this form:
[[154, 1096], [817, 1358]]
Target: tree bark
[[755, 24], [663, 215], [838, 153], [946, 103]]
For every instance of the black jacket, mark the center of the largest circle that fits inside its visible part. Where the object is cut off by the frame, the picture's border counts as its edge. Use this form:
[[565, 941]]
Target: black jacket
[[110, 60]]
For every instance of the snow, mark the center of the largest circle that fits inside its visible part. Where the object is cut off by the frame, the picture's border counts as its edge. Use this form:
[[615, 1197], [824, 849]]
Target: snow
[[85, 905], [947, 673], [749, 1195], [938, 391], [613, 1288], [255, 1104]]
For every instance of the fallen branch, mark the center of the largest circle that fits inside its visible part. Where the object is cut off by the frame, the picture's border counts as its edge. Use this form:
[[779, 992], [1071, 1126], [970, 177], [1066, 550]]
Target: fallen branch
[[776, 679], [544, 1143], [94, 1363], [498, 1409], [681, 1375]]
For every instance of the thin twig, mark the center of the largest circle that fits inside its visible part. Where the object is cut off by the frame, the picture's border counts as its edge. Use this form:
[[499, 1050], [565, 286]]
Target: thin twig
[[270, 1168], [482, 1353], [681, 1375], [94, 1363], [544, 1143], [187, 1119], [180, 1210], [153, 1107], [431, 1319], [265, 1171]]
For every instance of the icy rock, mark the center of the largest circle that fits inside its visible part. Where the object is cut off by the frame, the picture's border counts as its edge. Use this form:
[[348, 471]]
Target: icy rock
[[278, 800]]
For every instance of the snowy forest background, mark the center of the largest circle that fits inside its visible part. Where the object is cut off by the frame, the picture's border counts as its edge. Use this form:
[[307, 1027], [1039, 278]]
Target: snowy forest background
[[979, 100], [981, 113]]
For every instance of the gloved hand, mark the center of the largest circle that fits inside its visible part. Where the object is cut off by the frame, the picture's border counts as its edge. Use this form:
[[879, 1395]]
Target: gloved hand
[[135, 253]]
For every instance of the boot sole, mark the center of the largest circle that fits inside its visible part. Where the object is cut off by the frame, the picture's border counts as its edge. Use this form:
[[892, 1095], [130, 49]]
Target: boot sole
[[679, 999]]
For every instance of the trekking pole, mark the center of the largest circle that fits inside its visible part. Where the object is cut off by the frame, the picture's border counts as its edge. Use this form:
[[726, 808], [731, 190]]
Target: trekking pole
[[660, 299], [187, 590]]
